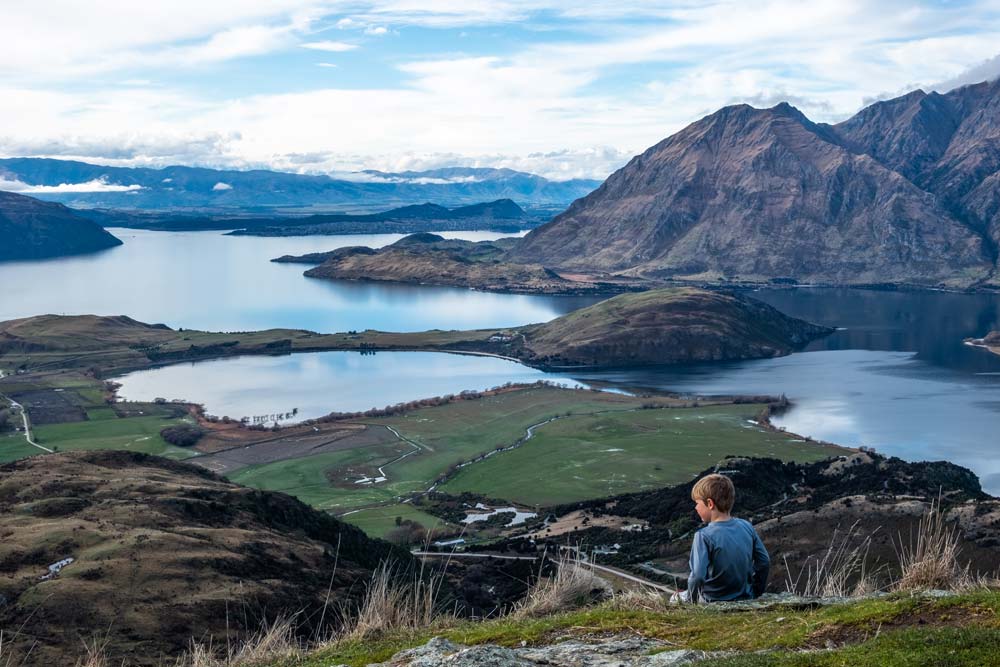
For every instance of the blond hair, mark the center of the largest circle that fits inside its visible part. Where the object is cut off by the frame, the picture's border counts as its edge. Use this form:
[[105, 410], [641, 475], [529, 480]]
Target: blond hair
[[718, 488]]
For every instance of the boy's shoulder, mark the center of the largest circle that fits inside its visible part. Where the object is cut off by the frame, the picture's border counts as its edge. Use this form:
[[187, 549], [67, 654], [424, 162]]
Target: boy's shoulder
[[734, 522]]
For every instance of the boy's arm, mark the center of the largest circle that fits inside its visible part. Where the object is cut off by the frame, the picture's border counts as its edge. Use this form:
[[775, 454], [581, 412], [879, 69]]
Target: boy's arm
[[699, 567], [761, 566]]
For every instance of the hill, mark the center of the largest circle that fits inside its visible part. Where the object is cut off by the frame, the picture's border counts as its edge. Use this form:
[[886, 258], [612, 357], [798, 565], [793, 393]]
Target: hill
[[432, 260], [500, 215], [98, 186], [33, 229], [905, 192], [666, 326], [153, 552]]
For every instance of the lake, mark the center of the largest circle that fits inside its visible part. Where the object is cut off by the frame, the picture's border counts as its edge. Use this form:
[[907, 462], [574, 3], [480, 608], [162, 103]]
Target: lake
[[897, 377], [213, 282]]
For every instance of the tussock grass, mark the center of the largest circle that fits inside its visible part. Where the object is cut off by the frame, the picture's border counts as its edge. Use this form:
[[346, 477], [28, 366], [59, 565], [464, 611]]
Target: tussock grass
[[929, 558], [843, 570], [573, 585], [392, 603], [274, 644]]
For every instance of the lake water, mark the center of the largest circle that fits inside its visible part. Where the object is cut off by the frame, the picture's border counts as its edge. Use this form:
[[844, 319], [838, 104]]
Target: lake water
[[213, 282], [317, 383], [897, 378]]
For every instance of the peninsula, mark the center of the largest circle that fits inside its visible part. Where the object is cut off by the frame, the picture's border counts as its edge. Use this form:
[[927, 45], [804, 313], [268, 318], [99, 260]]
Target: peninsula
[[430, 259], [34, 229], [990, 341], [668, 326]]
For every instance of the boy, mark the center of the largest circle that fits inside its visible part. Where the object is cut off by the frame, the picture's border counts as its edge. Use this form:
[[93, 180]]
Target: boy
[[728, 560]]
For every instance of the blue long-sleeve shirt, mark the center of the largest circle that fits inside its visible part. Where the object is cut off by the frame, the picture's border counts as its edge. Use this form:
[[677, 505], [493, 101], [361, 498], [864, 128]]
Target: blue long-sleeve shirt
[[728, 562]]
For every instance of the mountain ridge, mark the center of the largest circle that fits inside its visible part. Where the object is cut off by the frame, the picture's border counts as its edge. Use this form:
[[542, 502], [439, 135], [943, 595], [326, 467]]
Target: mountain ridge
[[177, 186], [904, 192]]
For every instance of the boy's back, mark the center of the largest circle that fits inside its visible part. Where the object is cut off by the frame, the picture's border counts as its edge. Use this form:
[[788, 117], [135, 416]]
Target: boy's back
[[728, 562]]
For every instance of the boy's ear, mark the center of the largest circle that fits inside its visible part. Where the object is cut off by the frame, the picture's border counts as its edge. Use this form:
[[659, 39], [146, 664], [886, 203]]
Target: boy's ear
[[709, 503]]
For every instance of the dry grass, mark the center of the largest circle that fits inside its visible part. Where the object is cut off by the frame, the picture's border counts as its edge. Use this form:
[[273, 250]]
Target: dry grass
[[842, 571], [929, 558], [573, 585], [273, 644], [395, 602], [645, 599]]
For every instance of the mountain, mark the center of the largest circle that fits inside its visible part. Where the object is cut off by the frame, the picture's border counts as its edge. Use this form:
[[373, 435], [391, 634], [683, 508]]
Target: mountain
[[666, 326], [905, 192], [502, 215], [33, 229], [156, 552], [93, 186]]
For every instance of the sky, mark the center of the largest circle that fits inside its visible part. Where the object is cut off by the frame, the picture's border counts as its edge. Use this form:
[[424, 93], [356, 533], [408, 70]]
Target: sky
[[565, 89]]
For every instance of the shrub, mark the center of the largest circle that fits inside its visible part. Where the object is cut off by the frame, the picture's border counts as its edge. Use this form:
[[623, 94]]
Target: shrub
[[182, 435]]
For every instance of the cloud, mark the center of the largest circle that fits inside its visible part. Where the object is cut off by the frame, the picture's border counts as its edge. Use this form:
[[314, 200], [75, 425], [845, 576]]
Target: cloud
[[96, 185], [326, 64], [331, 46], [571, 90], [988, 70], [376, 30], [220, 186]]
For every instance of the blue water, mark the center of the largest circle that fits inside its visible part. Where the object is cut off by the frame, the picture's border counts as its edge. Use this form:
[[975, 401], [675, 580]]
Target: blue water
[[208, 281]]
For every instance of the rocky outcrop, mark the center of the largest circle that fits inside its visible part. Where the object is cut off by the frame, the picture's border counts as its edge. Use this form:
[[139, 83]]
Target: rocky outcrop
[[33, 229], [625, 651], [905, 192]]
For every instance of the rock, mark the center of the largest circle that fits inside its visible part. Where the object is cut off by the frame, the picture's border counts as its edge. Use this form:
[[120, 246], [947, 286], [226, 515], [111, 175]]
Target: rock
[[615, 652]]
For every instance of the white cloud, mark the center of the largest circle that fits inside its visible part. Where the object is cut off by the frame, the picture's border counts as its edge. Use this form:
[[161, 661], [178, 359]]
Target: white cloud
[[326, 64], [220, 186], [376, 30], [96, 185], [566, 106], [331, 46]]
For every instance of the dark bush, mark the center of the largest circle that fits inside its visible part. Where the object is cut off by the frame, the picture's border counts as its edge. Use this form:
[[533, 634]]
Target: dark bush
[[182, 435]]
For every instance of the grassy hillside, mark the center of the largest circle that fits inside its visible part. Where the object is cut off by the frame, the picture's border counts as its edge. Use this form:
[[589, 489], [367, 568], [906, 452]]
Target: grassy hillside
[[901, 630], [161, 552], [667, 326]]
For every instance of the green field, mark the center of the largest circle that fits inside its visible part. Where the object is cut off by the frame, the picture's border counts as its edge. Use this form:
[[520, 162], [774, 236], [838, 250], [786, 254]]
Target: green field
[[446, 435], [135, 434], [607, 445], [380, 520], [584, 457], [13, 446]]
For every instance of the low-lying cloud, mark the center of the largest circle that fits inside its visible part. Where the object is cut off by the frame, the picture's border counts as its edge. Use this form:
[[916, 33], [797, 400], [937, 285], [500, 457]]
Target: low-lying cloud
[[96, 185]]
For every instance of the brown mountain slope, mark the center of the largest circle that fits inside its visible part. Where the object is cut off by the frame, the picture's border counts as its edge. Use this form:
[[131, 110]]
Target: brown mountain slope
[[757, 194], [947, 144], [162, 552], [33, 229]]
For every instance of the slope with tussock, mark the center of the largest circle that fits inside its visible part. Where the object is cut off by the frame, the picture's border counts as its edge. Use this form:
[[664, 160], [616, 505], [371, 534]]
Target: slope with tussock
[[162, 552]]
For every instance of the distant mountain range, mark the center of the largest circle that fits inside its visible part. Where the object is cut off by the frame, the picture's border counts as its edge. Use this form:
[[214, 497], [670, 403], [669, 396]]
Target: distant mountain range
[[905, 192], [84, 185], [33, 229], [502, 215]]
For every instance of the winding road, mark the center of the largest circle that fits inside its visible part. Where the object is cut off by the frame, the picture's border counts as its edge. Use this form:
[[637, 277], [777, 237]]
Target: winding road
[[24, 416]]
